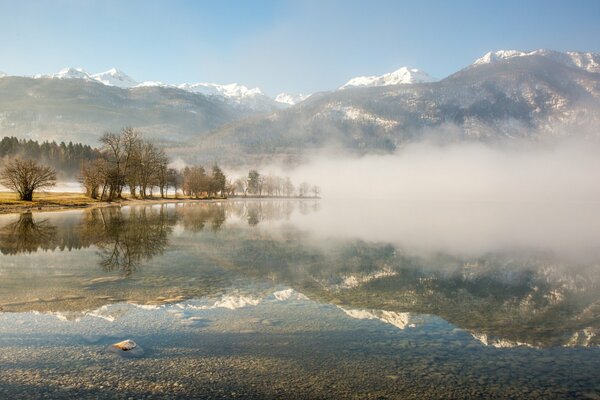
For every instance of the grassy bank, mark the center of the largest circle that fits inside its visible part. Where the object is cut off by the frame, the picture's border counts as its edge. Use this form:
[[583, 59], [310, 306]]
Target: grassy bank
[[50, 201], [10, 203]]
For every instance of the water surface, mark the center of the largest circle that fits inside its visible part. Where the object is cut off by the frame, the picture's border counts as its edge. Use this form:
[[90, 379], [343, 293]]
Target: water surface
[[302, 299]]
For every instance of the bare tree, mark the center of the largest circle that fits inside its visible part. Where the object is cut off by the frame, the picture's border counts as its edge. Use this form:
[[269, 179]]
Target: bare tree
[[174, 179], [92, 177], [303, 189], [241, 185], [316, 190], [288, 187], [27, 176]]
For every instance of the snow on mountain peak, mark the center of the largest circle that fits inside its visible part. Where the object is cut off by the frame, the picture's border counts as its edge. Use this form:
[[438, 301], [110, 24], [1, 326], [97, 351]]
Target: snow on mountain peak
[[3, 74], [404, 75], [232, 91], [584, 60], [291, 99], [152, 84], [68, 73], [115, 77]]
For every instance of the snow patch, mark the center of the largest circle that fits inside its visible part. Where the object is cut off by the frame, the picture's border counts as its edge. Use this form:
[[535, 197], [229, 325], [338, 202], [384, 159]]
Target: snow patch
[[291, 99], [230, 301], [402, 76], [497, 342], [582, 338], [353, 281], [289, 294], [68, 73], [584, 60], [399, 320], [115, 77]]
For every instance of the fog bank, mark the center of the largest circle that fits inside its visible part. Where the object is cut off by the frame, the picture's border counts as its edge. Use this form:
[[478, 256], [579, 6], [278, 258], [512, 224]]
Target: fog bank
[[567, 171]]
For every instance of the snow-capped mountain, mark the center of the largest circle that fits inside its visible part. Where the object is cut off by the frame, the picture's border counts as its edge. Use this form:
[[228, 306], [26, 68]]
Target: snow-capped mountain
[[115, 77], [528, 97], [3, 74], [231, 91], [404, 75], [234, 93], [585, 60], [67, 73], [291, 99]]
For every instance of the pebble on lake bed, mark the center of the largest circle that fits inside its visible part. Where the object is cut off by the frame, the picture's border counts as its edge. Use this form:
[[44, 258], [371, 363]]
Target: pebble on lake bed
[[126, 345], [126, 348]]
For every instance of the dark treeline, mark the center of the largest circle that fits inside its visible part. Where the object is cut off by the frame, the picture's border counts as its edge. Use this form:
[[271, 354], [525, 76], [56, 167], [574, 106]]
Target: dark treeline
[[64, 157]]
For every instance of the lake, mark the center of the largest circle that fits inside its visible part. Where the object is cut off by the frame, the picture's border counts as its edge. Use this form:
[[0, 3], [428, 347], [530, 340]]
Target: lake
[[302, 299]]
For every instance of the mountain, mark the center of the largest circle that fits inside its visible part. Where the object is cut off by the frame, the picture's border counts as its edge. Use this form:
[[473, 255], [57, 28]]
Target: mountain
[[404, 75], [587, 61], [238, 95], [235, 93], [535, 95], [501, 96], [114, 77], [291, 99], [81, 110], [67, 73]]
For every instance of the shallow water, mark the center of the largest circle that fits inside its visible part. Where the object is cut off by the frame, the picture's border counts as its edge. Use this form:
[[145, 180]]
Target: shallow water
[[302, 299]]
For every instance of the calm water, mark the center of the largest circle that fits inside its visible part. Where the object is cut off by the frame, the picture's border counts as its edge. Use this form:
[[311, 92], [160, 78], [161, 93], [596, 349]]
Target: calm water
[[302, 299]]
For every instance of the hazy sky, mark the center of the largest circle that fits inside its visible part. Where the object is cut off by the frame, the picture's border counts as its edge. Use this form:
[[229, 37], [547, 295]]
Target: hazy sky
[[295, 46]]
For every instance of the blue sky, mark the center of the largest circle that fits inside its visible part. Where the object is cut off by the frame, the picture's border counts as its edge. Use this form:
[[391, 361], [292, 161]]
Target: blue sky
[[294, 46]]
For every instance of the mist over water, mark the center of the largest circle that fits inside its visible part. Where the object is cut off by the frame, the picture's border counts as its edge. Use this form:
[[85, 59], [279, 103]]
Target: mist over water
[[521, 172], [464, 198]]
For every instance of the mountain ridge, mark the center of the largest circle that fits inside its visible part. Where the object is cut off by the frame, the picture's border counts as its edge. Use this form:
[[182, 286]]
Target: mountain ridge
[[507, 95]]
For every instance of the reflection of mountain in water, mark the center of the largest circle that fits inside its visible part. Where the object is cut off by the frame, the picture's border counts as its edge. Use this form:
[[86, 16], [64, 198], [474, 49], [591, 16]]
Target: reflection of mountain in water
[[508, 299], [503, 299]]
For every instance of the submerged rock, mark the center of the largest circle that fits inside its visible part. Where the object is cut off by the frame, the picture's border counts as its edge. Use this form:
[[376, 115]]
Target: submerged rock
[[126, 348], [126, 345]]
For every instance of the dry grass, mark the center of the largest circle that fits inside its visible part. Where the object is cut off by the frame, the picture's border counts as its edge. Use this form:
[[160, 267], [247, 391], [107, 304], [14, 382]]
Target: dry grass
[[9, 202], [51, 201]]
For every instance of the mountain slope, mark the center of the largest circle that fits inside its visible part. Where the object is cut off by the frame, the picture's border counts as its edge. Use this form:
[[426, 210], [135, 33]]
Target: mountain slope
[[530, 96], [404, 75], [115, 77], [81, 110], [238, 95]]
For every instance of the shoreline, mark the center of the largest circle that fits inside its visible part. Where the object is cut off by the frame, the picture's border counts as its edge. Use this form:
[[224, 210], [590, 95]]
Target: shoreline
[[48, 202]]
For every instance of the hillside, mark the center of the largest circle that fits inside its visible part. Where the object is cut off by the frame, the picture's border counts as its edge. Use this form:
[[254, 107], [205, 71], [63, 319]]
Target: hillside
[[531, 96]]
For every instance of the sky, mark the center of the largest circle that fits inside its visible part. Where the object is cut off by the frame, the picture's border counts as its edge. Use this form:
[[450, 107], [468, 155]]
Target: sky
[[294, 46]]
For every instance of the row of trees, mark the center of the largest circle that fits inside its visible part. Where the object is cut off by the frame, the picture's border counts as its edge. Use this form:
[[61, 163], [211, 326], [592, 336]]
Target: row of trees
[[129, 161], [64, 157], [126, 161], [256, 184]]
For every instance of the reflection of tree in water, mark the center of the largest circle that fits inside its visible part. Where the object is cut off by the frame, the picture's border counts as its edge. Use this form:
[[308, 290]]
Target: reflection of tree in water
[[254, 212], [27, 235], [194, 217], [127, 238]]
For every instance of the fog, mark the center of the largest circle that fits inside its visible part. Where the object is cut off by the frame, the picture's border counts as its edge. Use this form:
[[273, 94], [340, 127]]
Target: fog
[[468, 199], [565, 171]]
